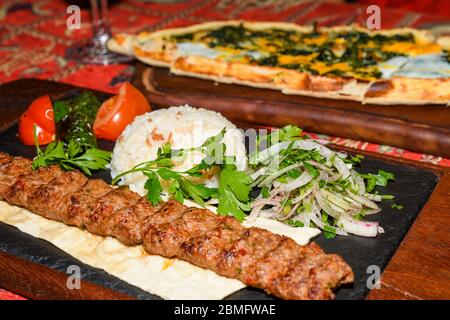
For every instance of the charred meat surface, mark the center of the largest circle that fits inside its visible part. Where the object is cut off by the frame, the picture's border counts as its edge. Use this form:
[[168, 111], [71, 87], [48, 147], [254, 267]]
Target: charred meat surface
[[257, 257], [10, 170], [56, 192]]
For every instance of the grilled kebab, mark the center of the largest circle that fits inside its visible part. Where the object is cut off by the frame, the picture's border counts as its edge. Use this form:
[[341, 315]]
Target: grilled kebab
[[257, 257]]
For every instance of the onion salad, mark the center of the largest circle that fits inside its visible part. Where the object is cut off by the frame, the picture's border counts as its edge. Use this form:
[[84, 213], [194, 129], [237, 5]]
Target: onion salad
[[304, 183]]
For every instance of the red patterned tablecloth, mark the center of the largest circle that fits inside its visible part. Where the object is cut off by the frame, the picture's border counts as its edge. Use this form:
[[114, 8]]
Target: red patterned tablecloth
[[34, 39]]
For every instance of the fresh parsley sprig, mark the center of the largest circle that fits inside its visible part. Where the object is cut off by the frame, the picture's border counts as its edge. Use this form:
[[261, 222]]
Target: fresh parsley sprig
[[380, 179], [180, 186], [234, 185], [234, 189], [70, 156]]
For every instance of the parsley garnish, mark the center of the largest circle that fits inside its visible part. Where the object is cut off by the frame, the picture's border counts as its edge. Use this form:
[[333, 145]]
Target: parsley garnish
[[234, 192], [294, 223], [311, 170], [71, 156], [396, 206], [329, 232], [380, 179], [265, 192], [234, 185]]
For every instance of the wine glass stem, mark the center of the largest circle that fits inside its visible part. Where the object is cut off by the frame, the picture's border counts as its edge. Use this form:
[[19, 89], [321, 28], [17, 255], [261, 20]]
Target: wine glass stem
[[100, 25]]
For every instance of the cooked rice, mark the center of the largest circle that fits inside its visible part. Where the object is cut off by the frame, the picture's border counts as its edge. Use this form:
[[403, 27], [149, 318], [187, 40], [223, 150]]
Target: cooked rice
[[184, 127]]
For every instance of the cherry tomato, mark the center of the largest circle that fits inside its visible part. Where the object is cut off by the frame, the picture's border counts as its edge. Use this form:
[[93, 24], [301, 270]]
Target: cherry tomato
[[39, 113], [119, 111]]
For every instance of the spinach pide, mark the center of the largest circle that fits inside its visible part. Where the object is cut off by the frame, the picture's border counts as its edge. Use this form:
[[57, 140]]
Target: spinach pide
[[339, 62], [351, 53]]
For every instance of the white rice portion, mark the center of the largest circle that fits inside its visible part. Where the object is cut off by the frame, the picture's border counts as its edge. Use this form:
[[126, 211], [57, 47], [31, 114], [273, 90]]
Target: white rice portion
[[183, 127]]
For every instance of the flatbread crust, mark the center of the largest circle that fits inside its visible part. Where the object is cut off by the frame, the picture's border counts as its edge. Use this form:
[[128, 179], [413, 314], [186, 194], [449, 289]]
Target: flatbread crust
[[400, 90], [166, 278], [152, 48]]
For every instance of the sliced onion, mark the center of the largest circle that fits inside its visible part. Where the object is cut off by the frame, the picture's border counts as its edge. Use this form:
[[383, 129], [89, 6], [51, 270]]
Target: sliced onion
[[335, 199], [341, 167], [303, 217], [264, 202], [258, 173], [291, 213], [256, 210], [324, 176], [268, 213], [333, 211], [335, 177], [270, 178], [304, 178], [359, 228], [212, 201], [364, 201], [310, 144], [302, 196], [316, 218], [359, 183], [374, 197], [353, 203], [340, 203], [371, 211], [320, 166], [342, 154], [268, 153]]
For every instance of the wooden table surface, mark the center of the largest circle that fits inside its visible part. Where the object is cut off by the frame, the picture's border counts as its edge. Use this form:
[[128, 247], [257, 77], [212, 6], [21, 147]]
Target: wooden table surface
[[419, 269]]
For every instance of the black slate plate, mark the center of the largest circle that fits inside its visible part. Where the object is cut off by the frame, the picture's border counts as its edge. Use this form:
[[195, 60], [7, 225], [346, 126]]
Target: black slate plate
[[411, 189]]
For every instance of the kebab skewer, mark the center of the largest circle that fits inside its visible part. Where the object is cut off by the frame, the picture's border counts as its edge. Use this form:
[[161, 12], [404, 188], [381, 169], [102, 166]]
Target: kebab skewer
[[257, 257]]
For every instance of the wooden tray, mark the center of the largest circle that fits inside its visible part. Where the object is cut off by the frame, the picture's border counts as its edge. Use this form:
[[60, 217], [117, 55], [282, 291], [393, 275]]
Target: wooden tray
[[36, 269], [423, 129]]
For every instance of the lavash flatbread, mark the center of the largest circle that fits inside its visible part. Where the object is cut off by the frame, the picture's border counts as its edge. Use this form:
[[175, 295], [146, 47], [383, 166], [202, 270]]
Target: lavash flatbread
[[167, 278]]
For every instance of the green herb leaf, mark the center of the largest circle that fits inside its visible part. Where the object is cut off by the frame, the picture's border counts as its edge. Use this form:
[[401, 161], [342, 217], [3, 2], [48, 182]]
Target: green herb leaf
[[396, 206], [383, 177], [197, 170], [311, 170], [329, 232], [329, 235], [167, 174], [265, 192], [234, 192], [287, 133], [153, 187], [356, 159], [58, 153], [380, 179], [294, 223], [294, 173]]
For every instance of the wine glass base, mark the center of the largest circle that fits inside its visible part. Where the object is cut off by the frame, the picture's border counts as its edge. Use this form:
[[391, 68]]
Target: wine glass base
[[90, 54]]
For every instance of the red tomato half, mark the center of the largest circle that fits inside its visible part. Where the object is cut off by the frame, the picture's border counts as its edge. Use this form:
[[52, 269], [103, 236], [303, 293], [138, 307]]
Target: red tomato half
[[39, 113], [119, 111]]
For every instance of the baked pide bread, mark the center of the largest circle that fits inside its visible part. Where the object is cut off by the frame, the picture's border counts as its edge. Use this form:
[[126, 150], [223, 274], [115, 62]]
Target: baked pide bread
[[396, 66]]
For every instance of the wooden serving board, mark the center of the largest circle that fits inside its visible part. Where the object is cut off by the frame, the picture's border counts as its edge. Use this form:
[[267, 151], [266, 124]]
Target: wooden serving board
[[424, 129], [413, 253]]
